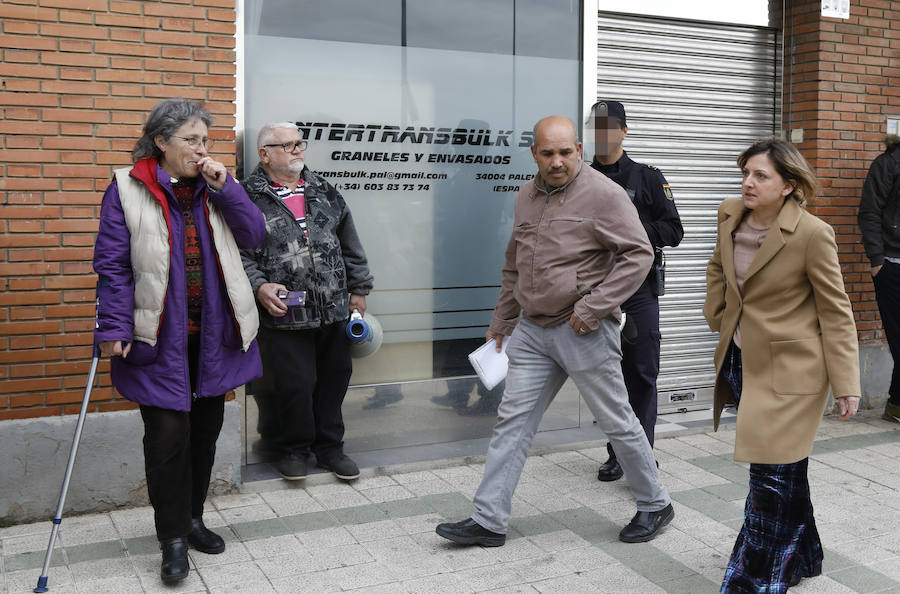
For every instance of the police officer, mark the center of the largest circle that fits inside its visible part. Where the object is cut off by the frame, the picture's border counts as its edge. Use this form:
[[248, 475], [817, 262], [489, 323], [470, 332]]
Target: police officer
[[653, 199]]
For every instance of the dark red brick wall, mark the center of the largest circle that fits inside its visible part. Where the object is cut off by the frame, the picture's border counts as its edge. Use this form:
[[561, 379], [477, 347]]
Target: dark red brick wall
[[77, 78], [841, 81]]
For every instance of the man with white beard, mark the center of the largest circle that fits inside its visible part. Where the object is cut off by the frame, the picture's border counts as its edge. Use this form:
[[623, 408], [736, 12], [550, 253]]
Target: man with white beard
[[308, 275]]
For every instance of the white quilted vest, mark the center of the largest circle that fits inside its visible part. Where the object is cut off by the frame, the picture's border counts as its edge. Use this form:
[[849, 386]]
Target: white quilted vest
[[150, 262]]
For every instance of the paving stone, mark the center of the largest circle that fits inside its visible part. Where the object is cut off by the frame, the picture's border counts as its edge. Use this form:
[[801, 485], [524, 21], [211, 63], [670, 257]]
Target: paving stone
[[429, 487], [535, 525], [377, 535], [26, 543], [217, 577], [326, 537], [311, 521], [729, 491], [561, 540], [862, 579], [261, 528], [33, 560], [89, 571], [248, 513], [236, 500], [361, 576], [375, 530], [234, 553], [291, 502], [452, 506], [619, 578], [136, 522], [391, 493], [94, 551], [85, 529], [708, 504], [420, 523], [360, 514], [274, 546], [437, 584], [406, 478], [692, 584]]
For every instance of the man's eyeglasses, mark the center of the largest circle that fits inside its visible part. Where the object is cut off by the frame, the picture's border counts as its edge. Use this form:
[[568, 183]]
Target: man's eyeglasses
[[290, 147], [193, 141]]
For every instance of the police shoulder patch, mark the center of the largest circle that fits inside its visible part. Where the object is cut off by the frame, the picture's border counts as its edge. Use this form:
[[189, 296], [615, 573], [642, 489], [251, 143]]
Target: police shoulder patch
[[668, 192]]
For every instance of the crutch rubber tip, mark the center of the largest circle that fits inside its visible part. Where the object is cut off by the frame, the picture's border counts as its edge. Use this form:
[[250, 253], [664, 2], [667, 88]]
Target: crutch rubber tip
[[42, 584]]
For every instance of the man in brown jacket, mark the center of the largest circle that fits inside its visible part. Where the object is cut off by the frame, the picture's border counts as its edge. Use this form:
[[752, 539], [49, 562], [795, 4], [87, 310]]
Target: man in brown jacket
[[577, 251]]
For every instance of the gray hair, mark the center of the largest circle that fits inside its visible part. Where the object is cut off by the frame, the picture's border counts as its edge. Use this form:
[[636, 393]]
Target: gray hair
[[267, 132], [164, 119]]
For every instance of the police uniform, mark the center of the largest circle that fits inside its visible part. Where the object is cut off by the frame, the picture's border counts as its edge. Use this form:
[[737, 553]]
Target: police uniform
[[653, 199]]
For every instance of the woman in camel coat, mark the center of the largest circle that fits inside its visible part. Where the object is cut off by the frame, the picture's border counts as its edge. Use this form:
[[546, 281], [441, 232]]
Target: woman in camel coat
[[776, 296]]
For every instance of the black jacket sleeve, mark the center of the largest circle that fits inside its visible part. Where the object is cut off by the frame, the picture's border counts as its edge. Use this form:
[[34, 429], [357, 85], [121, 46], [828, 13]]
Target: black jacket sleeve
[[657, 209], [359, 278], [873, 207]]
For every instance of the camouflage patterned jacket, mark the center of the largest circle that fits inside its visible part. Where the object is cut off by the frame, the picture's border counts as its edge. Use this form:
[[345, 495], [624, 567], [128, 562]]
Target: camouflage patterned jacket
[[329, 266]]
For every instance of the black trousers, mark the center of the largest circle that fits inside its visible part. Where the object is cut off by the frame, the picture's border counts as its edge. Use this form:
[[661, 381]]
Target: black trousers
[[305, 379], [887, 293], [179, 450], [640, 355]]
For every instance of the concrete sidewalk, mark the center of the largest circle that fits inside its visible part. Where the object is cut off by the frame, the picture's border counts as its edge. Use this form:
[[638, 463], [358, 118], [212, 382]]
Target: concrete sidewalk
[[377, 534]]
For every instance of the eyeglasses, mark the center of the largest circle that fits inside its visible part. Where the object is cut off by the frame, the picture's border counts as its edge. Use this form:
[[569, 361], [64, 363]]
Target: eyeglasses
[[290, 147], [193, 141]]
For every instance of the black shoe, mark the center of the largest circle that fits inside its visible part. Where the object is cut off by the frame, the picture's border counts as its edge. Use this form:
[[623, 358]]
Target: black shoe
[[795, 579], [343, 467], [610, 470], [645, 526], [469, 532], [174, 560], [292, 467], [205, 540]]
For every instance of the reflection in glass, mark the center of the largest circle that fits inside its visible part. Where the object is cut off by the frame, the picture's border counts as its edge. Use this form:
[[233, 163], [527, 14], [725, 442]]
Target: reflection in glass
[[434, 216]]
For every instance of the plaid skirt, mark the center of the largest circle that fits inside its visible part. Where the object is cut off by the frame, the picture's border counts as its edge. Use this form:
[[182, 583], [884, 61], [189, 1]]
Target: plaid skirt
[[779, 538]]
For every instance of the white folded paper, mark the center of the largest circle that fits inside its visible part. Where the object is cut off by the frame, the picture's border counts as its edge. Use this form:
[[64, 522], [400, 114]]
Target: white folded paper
[[490, 365]]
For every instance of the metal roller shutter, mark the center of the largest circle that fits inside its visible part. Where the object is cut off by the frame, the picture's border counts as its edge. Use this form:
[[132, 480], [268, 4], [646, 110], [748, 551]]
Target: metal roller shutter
[[696, 94]]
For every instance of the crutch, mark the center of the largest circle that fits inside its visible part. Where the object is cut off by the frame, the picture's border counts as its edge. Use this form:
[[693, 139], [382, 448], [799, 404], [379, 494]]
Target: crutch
[[57, 519]]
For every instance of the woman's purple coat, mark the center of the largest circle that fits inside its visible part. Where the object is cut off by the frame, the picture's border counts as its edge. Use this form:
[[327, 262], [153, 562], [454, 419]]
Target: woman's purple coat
[[158, 376]]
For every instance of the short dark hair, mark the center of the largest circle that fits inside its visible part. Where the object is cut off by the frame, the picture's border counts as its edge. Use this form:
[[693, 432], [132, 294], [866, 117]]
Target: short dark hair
[[165, 118], [789, 164]]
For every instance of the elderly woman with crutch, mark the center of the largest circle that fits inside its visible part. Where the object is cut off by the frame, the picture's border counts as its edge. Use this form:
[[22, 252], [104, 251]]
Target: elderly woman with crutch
[[776, 296], [175, 312]]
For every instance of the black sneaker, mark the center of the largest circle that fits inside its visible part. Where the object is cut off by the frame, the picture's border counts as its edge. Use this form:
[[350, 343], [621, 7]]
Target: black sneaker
[[292, 467], [343, 467]]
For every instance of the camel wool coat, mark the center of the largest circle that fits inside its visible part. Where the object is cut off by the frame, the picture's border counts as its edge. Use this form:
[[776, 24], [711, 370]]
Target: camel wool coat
[[798, 333]]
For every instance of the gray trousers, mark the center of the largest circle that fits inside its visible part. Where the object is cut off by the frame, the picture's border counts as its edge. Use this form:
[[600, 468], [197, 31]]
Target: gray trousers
[[540, 360]]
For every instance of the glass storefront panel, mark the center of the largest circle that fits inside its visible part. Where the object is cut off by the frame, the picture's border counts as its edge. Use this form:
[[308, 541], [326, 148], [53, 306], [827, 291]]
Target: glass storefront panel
[[420, 112]]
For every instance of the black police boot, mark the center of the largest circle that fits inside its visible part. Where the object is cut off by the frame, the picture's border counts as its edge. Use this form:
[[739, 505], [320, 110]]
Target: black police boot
[[174, 560], [610, 470]]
